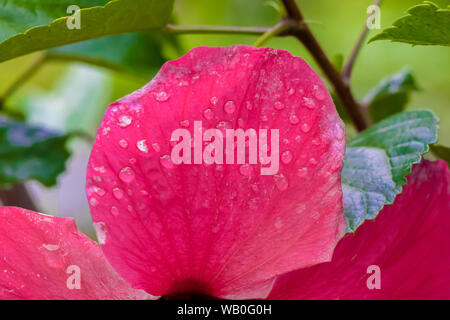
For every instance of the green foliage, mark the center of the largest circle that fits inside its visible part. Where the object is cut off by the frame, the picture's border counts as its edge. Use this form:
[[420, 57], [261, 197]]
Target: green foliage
[[28, 152], [391, 95], [378, 161], [425, 24], [116, 17], [441, 151]]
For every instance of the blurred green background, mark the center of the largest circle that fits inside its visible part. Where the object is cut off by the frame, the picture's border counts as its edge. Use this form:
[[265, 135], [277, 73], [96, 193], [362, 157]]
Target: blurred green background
[[73, 96]]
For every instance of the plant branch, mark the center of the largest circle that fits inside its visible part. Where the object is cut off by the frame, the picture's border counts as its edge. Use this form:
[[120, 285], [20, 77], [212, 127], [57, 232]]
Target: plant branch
[[348, 67], [215, 30], [341, 87], [17, 196], [276, 30]]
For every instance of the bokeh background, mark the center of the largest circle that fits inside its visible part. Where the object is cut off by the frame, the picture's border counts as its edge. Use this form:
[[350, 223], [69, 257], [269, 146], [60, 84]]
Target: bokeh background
[[73, 96]]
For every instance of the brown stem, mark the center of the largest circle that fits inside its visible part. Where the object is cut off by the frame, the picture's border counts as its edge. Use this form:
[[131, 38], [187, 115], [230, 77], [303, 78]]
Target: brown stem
[[347, 70], [17, 196], [303, 33]]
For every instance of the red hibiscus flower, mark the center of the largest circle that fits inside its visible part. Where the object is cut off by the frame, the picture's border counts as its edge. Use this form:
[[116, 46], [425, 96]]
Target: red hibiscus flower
[[222, 226]]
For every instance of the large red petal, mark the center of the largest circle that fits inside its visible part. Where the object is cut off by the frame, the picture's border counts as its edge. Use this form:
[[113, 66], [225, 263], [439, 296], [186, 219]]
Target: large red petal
[[409, 241], [223, 230], [40, 256]]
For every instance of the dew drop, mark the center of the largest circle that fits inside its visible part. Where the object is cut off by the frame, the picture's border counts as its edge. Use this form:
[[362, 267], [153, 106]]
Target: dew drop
[[229, 107], [278, 105], [142, 145], [312, 161], [166, 162], [305, 128], [93, 202], [118, 193], [208, 114], [248, 105], [123, 143], [291, 91], [126, 175], [309, 103], [184, 123], [281, 182], [286, 157], [318, 93], [302, 172], [125, 121], [114, 211], [293, 119], [99, 191], [100, 229], [214, 100], [162, 96], [246, 170]]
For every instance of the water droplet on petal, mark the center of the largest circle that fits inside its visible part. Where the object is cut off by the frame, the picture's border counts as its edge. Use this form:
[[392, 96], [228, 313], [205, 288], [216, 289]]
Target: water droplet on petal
[[305, 128], [248, 105], [214, 100], [162, 96], [278, 105], [100, 229], [302, 172], [229, 107], [118, 193], [293, 119], [99, 191], [166, 162], [319, 94], [246, 170], [126, 175], [185, 123], [312, 161], [309, 103], [208, 114], [125, 121], [93, 202], [286, 157], [281, 182], [142, 145], [291, 91], [114, 211]]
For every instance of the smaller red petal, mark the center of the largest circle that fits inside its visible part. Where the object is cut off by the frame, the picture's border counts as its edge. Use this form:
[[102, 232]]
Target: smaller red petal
[[41, 257], [409, 241]]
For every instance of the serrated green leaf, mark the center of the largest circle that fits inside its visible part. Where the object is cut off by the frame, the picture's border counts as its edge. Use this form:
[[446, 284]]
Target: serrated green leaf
[[425, 24], [378, 161], [116, 17], [441, 152], [391, 95], [17, 16], [29, 152]]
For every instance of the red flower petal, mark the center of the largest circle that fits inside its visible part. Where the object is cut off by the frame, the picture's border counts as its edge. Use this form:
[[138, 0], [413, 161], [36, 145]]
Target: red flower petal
[[221, 230], [39, 257], [409, 241]]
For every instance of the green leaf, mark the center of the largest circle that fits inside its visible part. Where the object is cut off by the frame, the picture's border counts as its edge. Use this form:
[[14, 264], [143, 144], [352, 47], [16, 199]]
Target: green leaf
[[136, 53], [378, 161], [338, 61], [441, 152], [391, 95], [425, 24], [29, 152], [16, 16], [116, 17]]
